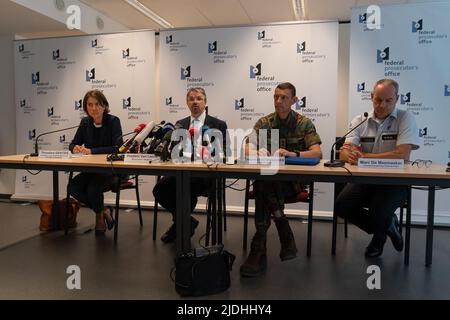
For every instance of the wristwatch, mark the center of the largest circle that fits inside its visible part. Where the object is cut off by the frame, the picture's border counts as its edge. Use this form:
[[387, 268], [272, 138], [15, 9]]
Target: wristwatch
[[297, 153]]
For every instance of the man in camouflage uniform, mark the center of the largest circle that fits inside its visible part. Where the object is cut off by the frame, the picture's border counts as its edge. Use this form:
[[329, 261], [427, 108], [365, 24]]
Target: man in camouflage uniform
[[298, 138]]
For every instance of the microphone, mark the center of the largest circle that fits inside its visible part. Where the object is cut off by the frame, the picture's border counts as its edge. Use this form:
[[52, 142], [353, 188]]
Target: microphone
[[36, 151], [193, 132], [143, 134], [127, 144], [159, 136], [338, 162], [168, 127]]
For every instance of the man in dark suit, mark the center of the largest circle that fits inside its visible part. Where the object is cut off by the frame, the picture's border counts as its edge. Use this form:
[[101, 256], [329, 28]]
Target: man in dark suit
[[164, 190]]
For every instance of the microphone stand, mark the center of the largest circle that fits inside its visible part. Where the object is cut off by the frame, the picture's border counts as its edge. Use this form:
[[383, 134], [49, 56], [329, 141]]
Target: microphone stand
[[36, 151], [333, 163]]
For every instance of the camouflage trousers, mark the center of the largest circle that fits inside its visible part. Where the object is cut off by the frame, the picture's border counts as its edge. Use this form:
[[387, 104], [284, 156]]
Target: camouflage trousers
[[270, 195]]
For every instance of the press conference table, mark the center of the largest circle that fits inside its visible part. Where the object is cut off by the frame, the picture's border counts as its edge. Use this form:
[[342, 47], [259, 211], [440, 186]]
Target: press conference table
[[432, 177]]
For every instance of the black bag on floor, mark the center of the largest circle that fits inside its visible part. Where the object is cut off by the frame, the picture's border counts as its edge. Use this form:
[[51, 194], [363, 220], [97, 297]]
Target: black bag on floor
[[203, 271]]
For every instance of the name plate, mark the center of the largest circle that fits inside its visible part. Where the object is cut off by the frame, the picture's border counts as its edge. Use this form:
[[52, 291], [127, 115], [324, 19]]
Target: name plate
[[56, 154], [139, 158], [381, 163], [266, 160]]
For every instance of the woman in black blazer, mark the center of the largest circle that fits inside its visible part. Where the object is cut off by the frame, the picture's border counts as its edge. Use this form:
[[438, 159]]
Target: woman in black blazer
[[98, 133]]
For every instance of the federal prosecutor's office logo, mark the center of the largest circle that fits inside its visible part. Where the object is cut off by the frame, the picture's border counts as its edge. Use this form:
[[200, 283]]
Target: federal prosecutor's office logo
[[301, 47], [264, 83], [42, 87], [360, 87], [417, 25], [308, 55], [134, 111], [239, 104], [423, 132], [78, 104], [382, 55], [31, 134], [126, 103], [411, 103], [90, 74], [26, 107], [430, 139], [35, 77], [173, 44], [185, 72], [371, 18], [131, 60], [405, 98], [55, 119], [61, 61], [55, 54], [393, 67], [446, 90], [300, 104], [310, 110], [426, 36], [172, 105], [362, 18], [212, 47], [170, 102], [255, 71], [24, 53], [219, 56], [266, 42], [246, 113], [27, 183], [261, 34], [99, 49]]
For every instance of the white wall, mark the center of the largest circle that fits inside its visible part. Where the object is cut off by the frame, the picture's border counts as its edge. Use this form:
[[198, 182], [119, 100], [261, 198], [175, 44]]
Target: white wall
[[8, 112]]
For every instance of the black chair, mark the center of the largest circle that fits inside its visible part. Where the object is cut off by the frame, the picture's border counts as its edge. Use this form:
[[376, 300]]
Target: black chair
[[116, 188], [302, 196]]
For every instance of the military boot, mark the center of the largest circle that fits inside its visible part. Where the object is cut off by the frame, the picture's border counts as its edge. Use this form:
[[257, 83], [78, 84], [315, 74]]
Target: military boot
[[288, 248], [256, 261]]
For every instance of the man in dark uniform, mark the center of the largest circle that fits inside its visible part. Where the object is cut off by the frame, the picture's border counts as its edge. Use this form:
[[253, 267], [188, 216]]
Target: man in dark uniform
[[297, 138]]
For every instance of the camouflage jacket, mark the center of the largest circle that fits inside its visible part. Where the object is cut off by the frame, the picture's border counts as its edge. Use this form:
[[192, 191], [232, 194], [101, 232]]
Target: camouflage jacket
[[298, 133]]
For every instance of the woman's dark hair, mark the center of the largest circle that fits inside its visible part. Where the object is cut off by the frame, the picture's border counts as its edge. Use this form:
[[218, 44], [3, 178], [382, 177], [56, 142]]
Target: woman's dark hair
[[96, 94]]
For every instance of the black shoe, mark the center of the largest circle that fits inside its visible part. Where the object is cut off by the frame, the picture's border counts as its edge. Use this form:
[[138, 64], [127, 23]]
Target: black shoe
[[394, 233], [171, 233], [375, 248]]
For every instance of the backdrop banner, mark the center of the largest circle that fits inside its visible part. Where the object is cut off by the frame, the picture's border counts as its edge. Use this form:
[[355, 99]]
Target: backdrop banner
[[51, 78], [410, 46], [239, 67]]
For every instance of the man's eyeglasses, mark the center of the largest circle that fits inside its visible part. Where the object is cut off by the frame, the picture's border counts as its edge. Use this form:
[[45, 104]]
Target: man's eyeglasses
[[420, 163]]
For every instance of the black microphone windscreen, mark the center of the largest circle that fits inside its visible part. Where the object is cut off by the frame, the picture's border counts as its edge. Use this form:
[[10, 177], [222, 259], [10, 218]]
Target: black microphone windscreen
[[366, 114]]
